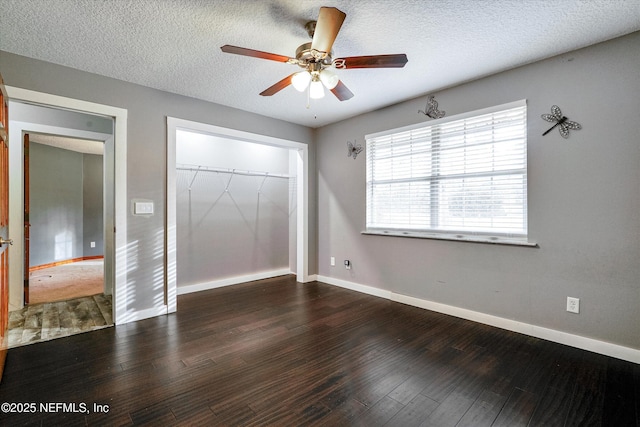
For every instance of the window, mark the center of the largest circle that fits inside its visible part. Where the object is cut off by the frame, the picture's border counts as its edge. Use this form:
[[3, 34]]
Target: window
[[461, 177]]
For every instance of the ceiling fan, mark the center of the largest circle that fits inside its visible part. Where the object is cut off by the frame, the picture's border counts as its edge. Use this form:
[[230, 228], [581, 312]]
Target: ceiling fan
[[316, 59]]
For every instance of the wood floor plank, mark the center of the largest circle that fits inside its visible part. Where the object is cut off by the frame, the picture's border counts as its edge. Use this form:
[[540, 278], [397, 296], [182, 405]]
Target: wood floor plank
[[619, 394], [457, 370], [636, 381], [589, 393], [484, 410], [380, 413], [517, 410], [277, 352], [414, 413], [478, 374], [553, 409], [450, 411]]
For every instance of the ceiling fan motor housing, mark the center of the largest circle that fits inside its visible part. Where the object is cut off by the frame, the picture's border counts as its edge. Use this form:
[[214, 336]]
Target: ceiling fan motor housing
[[306, 56]]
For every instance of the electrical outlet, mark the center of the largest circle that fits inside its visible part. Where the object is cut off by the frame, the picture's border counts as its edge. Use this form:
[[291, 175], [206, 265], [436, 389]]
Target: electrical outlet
[[347, 264], [333, 261], [93, 244], [573, 305]]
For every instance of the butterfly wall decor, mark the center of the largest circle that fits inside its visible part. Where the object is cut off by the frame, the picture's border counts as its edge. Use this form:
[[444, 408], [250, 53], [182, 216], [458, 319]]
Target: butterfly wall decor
[[431, 110], [560, 120], [353, 149]]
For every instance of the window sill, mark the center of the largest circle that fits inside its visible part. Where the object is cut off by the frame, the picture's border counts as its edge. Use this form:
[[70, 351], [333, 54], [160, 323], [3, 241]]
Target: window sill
[[454, 237]]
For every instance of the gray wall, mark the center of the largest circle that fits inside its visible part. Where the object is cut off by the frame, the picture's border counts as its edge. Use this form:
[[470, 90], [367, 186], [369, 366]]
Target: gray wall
[[65, 204], [92, 204], [584, 203], [222, 234], [146, 152], [55, 178]]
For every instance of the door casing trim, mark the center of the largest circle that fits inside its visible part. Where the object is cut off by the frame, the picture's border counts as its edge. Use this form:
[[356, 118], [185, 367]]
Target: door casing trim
[[119, 247]]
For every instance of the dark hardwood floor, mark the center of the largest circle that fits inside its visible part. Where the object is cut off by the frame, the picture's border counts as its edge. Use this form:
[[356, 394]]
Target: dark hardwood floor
[[274, 352]]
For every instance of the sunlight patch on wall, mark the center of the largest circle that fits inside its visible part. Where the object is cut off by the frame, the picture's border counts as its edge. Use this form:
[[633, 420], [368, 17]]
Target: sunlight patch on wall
[[63, 246]]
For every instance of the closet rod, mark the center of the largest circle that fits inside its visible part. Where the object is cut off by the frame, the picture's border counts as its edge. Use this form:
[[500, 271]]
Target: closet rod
[[196, 168]]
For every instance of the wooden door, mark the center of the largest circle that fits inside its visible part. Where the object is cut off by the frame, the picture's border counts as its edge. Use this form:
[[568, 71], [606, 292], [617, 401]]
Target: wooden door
[[27, 224], [4, 225]]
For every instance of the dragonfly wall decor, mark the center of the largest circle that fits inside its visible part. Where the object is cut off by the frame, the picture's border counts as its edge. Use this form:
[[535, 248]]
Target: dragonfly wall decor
[[560, 120], [353, 149], [431, 110]]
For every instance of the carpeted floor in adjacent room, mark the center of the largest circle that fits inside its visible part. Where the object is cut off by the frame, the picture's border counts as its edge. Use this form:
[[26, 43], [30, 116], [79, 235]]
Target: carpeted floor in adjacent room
[[67, 281]]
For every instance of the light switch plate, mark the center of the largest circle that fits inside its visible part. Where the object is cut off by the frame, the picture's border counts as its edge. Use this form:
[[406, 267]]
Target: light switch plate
[[143, 208]]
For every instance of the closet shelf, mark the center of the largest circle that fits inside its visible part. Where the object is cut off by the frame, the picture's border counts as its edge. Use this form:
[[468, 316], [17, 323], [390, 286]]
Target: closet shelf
[[198, 168]]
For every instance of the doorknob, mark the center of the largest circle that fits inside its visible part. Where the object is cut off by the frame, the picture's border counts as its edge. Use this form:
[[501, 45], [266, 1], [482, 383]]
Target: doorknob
[[2, 241]]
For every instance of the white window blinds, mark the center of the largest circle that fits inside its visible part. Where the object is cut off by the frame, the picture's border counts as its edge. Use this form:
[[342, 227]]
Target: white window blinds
[[465, 174]]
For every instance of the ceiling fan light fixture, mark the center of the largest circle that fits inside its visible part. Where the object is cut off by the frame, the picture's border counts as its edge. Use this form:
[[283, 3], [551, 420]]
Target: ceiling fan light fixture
[[300, 81], [329, 79], [313, 57], [316, 89]]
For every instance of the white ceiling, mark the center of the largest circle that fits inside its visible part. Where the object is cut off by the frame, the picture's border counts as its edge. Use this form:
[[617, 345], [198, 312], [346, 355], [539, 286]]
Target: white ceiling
[[86, 146], [174, 45]]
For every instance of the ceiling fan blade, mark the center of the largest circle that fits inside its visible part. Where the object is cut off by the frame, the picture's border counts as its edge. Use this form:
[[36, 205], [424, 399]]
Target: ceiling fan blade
[[277, 87], [328, 25], [254, 53], [373, 61], [342, 92]]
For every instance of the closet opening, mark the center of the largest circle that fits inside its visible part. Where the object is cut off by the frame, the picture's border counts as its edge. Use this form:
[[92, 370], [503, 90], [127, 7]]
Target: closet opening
[[236, 208]]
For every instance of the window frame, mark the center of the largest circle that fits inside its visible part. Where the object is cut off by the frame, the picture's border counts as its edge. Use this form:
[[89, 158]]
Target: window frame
[[519, 239]]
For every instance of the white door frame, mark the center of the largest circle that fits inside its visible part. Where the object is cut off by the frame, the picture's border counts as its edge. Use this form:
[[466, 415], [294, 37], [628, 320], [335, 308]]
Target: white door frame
[[119, 246], [302, 190], [18, 129]]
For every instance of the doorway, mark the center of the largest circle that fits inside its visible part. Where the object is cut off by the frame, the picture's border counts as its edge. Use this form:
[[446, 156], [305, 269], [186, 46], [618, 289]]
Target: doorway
[[64, 218], [115, 269]]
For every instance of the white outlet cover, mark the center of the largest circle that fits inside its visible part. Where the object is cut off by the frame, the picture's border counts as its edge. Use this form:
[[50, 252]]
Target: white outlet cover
[[573, 305], [333, 261]]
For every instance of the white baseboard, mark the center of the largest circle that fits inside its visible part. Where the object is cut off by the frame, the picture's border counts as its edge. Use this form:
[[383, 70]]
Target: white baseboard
[[377, 292], [584, 343], [231, 281]]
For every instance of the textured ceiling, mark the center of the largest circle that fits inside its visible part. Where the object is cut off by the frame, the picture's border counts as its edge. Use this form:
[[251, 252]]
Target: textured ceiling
[[74, 144], [174, 45]]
